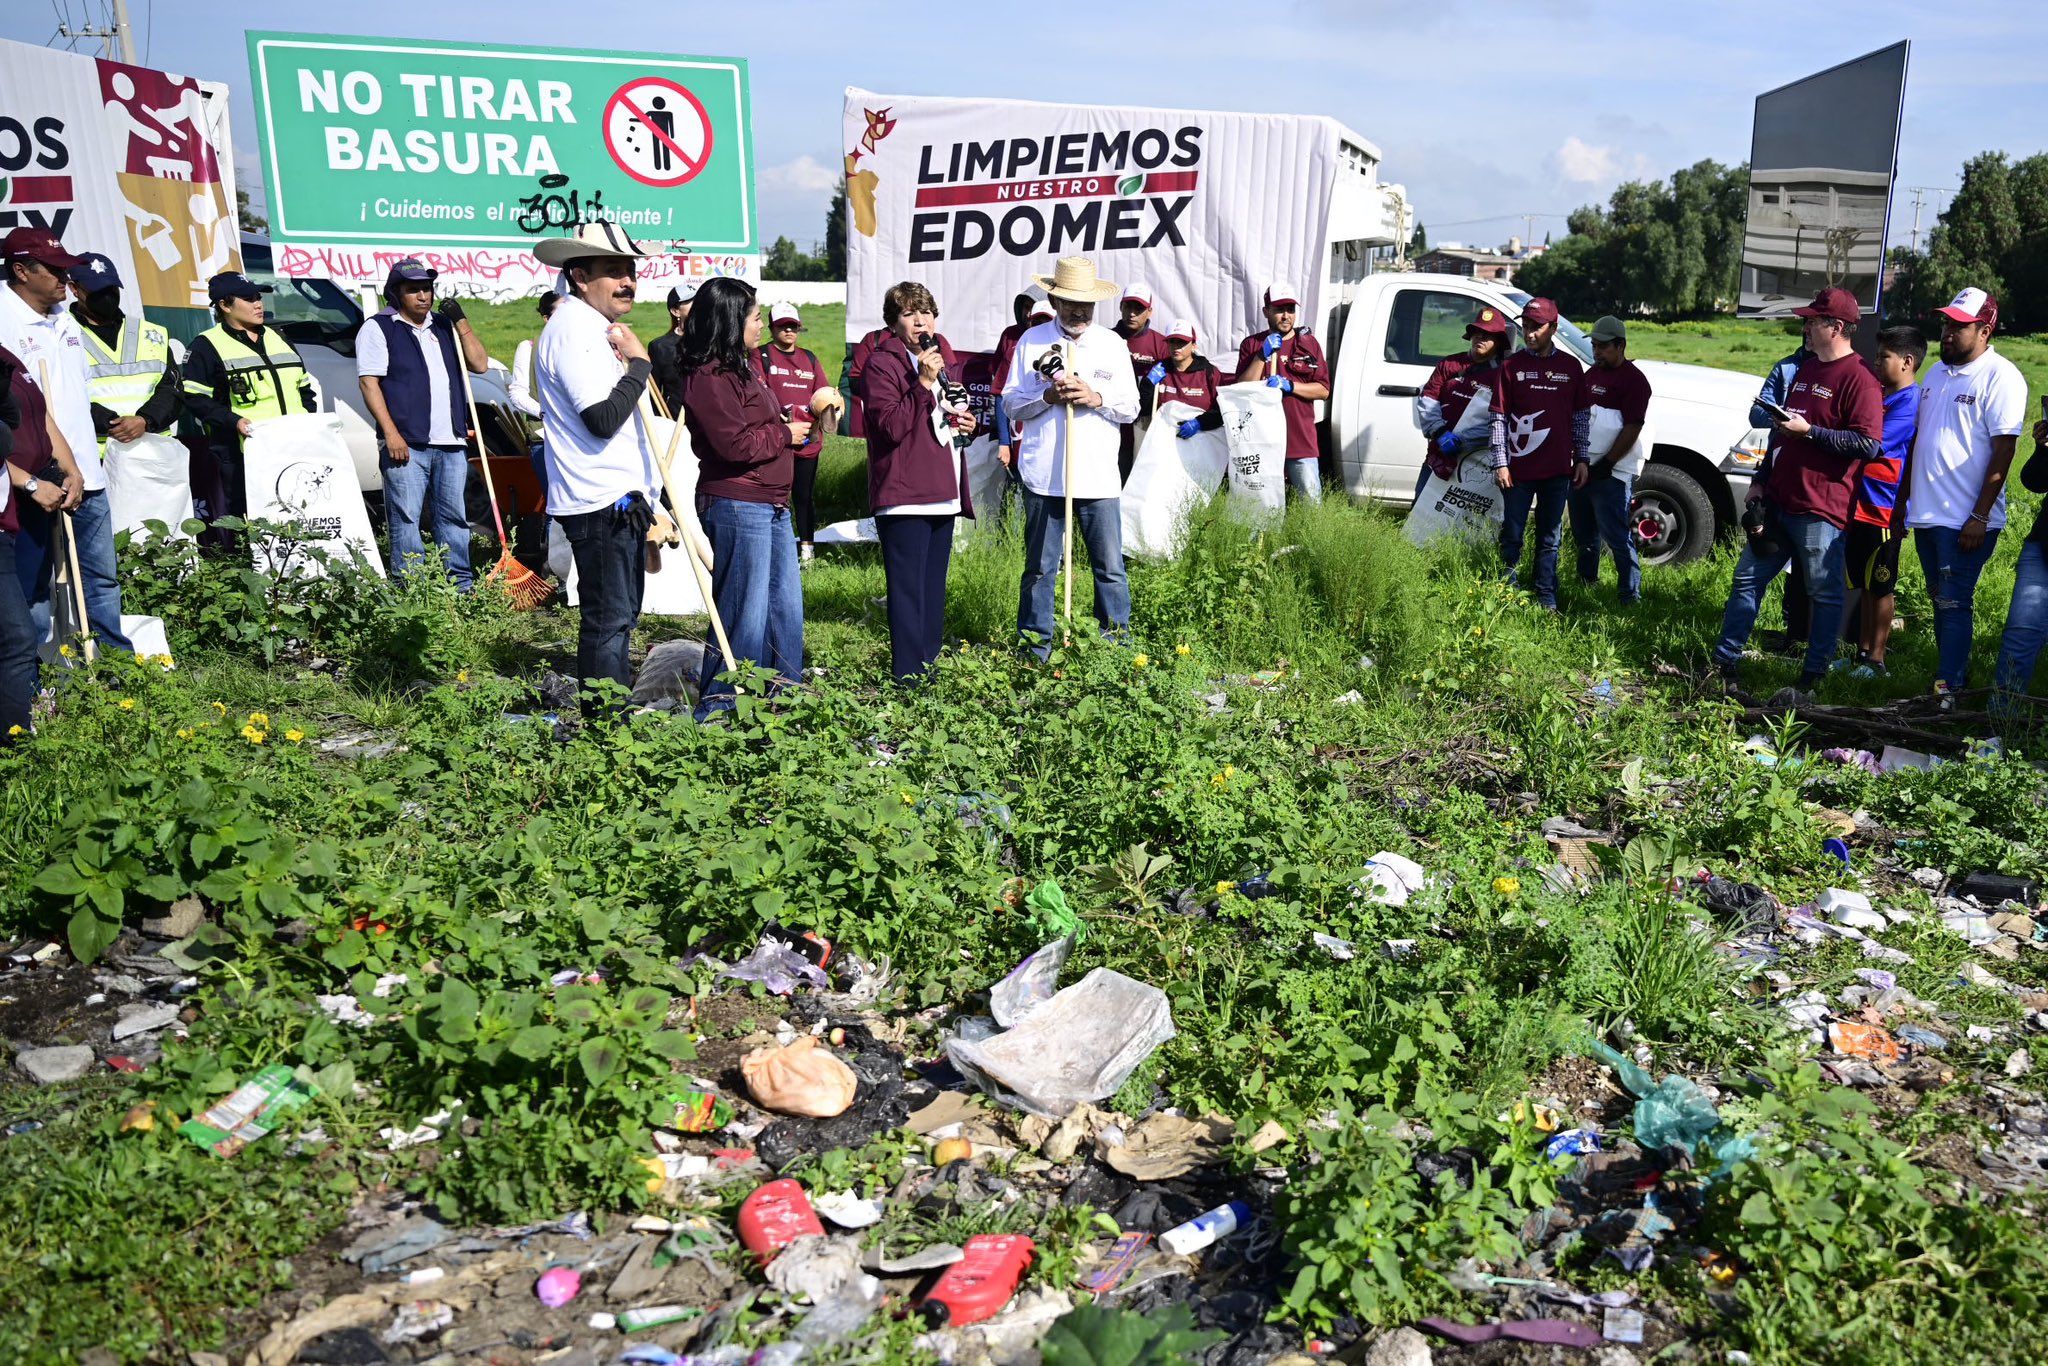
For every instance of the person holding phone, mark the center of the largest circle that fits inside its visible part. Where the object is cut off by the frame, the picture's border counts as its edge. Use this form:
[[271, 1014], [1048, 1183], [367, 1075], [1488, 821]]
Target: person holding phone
[[1795, 606], [917, 419]]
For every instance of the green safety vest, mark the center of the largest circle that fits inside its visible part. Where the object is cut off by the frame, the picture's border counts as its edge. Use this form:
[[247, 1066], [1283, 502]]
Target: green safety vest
[[123, 383], [257, 380]]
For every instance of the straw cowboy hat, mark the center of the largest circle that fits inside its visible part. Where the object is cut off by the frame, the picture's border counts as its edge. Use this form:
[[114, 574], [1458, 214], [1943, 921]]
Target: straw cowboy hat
[[1073, 277], [589, 239]]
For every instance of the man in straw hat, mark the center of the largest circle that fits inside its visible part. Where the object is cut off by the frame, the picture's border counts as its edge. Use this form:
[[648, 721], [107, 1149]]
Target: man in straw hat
[[591, 372], [1070, 384]]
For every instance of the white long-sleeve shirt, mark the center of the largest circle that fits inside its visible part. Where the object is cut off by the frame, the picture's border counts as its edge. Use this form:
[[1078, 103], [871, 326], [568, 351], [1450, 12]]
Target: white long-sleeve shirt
[[1101, 358], [520, 387]]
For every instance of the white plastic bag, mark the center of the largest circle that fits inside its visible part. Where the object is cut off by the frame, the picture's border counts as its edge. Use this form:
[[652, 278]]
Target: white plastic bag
[[1256, 431], [149, 479], [1605, 424], [1082, 1045], [672, 590], [1170, 478], [1468, 507], [297, 468], [987, 482]]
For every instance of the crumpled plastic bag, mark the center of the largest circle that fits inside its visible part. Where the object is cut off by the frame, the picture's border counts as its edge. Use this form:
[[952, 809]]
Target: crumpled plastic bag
[[1031, 984], [1051, 915], [799, 1079], [778, 967], [1674, 1112], [1079, 1046]]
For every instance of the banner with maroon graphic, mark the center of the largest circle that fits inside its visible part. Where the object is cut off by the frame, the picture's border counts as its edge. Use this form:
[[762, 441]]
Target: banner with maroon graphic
[[972, 197], [123, 160]]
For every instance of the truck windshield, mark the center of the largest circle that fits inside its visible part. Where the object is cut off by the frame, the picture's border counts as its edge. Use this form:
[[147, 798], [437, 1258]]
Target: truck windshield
[[307, 312], [1568, 334]]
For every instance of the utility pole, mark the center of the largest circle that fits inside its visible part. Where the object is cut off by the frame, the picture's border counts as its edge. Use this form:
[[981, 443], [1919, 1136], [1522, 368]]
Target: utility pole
[[125, 31], [119, 32]]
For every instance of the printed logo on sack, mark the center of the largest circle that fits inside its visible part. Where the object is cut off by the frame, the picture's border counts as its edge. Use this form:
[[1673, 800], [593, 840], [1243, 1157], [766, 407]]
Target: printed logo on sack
[[1053, 196]]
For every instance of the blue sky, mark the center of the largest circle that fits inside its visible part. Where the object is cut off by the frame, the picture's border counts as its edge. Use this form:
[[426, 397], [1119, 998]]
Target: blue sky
[[1485, 110]]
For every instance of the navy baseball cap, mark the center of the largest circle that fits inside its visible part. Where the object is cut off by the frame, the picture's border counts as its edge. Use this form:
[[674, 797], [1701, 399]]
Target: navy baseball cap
[[413, 269], [232, 284], [95, 271]]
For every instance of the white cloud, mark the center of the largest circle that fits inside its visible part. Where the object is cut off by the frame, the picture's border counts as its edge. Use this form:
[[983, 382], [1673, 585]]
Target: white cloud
[[804, 174], [1580, 163]]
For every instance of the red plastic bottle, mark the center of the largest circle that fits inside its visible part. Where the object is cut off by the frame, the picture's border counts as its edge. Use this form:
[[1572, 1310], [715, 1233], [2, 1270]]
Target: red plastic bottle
[[775, 1216], [978, 1285]]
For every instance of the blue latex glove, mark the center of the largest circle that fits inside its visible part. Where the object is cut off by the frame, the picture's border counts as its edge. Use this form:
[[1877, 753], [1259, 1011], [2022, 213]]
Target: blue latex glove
[[1156, 373], [1273, 340], [1188, 428], [1448, 443], [1280, 382]]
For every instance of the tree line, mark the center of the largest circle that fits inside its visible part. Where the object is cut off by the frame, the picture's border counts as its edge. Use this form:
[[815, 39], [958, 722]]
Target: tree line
[[1994, 235], [1671, 248]]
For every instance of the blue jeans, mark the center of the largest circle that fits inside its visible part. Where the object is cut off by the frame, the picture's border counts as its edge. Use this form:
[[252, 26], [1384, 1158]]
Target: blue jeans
[[1549, 497], [754, 581], [17, 648], [35, 564], [1305, 478], [1600, 518], [2026, 626], [428, 489], [1820, 548], [1045, 533], [1952, 587]]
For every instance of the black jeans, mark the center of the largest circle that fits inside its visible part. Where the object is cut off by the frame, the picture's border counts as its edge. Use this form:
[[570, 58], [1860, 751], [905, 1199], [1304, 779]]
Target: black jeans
[[610, 546], [915, 553], [17, 648], [802, 509]]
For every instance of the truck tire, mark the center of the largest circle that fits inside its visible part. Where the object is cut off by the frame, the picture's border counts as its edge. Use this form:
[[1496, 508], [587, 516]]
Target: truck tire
[[1672, 516]]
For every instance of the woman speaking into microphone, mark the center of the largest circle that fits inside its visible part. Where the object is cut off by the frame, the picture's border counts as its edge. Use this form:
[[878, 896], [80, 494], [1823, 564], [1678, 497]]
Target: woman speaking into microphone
[[746, 455], [918, 423]]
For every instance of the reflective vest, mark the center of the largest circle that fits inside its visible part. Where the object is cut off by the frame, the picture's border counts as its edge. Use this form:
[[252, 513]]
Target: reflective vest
[[123, 383], [259, 382]]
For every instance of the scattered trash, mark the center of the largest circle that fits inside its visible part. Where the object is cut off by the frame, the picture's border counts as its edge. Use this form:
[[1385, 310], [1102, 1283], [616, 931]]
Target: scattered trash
[[848, 1210], [1165, 1146], [1673, 1112], [1863, 1041], [420, 1319], [1050, 914], [1205, 1228], [1849, 908], [775, 1216], [1995, 889], [699, 1112], [2019, 1064], [1920, 1038], [426, 1275], [915, 1263], [978, 1285], [1552, 1332], [656, 1316], [799, 1078], [1622, 1325], [1082, 1045], [814, 1267], [776, 965], [1572, 1143], [1391, 879], [144, 1019], [1124, 1254], [55, 1065], [1031, 983], [558, 1285], [249, 1112], [1838, 850], [381, 1249], [1339, 949]]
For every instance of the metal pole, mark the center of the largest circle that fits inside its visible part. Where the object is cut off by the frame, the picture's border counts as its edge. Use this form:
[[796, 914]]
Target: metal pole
[[125, 32]]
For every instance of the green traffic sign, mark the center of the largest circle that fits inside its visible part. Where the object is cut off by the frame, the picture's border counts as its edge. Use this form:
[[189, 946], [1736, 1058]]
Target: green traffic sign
[[379, 142]]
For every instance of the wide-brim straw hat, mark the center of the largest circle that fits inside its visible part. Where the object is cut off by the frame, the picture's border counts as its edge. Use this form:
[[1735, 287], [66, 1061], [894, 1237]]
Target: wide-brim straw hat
[[1073, 277], [589, 239]]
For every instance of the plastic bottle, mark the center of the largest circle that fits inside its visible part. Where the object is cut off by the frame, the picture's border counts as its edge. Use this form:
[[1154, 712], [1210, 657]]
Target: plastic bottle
[[978, 1285], [775, 1216], [1204, 1229]]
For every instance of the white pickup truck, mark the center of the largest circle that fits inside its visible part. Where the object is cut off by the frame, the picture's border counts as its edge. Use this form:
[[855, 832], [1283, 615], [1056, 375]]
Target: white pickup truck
[[1397, 325]]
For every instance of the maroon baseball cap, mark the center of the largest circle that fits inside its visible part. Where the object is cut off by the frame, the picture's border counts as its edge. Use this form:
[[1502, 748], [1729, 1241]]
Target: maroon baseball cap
[[1832, 302], [1489, 321], [38, 244], [1537, 312]]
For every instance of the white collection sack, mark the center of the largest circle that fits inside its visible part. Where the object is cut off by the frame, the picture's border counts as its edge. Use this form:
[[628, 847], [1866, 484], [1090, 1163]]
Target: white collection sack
[[1256, 430], [149, 480], [297, 468], [1170, 479], [672, 590], [1467, 507]]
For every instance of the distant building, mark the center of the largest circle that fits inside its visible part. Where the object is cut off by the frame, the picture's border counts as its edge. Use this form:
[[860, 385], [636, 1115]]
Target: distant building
[[1469, 262]]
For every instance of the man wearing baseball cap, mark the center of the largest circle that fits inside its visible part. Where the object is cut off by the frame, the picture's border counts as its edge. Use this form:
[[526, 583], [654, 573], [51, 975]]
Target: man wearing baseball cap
[[1973, 405], [793, 374], [1149, 354], [1030, 308], [1189, 378], [1444, 410], [134, 382], [1290, 360], [237, 373], [1538, 431], [417, 389], [1800, 503], [47, 340], [663, 350], [1616, 397]]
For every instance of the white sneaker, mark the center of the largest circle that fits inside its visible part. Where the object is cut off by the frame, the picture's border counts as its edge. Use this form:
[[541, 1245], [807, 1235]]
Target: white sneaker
[[806, 552]]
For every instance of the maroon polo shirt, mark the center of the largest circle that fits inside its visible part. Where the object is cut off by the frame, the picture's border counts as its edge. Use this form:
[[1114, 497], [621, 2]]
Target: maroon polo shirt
[[1194, 386], [1807, 477], [1538, 395], [793, 377], [1300, 358]]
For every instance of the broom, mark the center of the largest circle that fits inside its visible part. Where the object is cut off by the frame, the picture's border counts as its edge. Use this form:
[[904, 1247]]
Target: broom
[[85, 635], [527, 589]]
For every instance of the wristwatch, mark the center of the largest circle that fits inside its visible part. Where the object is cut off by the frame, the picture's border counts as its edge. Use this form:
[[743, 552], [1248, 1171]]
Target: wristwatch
[[31, 486]]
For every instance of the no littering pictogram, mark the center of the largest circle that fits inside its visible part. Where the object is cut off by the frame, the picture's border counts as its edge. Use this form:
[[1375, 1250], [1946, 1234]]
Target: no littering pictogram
[[658, 132]]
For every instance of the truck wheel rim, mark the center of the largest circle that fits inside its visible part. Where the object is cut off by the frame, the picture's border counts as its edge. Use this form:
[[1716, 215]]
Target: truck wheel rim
[[1656, 524]]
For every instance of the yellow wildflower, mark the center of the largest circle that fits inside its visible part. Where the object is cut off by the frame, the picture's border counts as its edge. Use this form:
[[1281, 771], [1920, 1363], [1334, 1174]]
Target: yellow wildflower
[[462, 675], [220, 709], [1230, 771], [1217, 780], [165, 662], [1225, 888], [259, 718], [1507, 886], [254, 736], [127, 704], [1142, 660], [16, 730], [65, 650], [1181, 650], [295, 736], [184, 732]]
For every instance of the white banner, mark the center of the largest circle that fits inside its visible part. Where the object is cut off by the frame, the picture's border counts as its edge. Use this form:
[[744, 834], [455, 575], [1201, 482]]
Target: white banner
[[297, 469], [123, 160], [1256, 431], [970, 197], [1171, 477]]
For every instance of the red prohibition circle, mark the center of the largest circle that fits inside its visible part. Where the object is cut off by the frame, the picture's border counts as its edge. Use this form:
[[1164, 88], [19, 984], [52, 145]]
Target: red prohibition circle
[[658, 182]]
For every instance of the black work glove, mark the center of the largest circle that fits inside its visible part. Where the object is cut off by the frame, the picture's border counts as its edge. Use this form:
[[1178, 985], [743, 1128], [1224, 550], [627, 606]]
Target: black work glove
[[452, 311]]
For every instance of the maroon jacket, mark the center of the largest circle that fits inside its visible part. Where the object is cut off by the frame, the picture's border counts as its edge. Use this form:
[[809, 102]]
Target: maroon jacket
[[907, 461], [735, 425], [856, 367], [33, 450]]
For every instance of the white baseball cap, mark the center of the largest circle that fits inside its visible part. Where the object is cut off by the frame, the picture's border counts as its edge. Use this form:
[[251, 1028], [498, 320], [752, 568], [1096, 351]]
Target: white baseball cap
[[784, 312], [1137, 291], [1041, 302], [1279, 293], [1181, 328], [1973, 305]]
